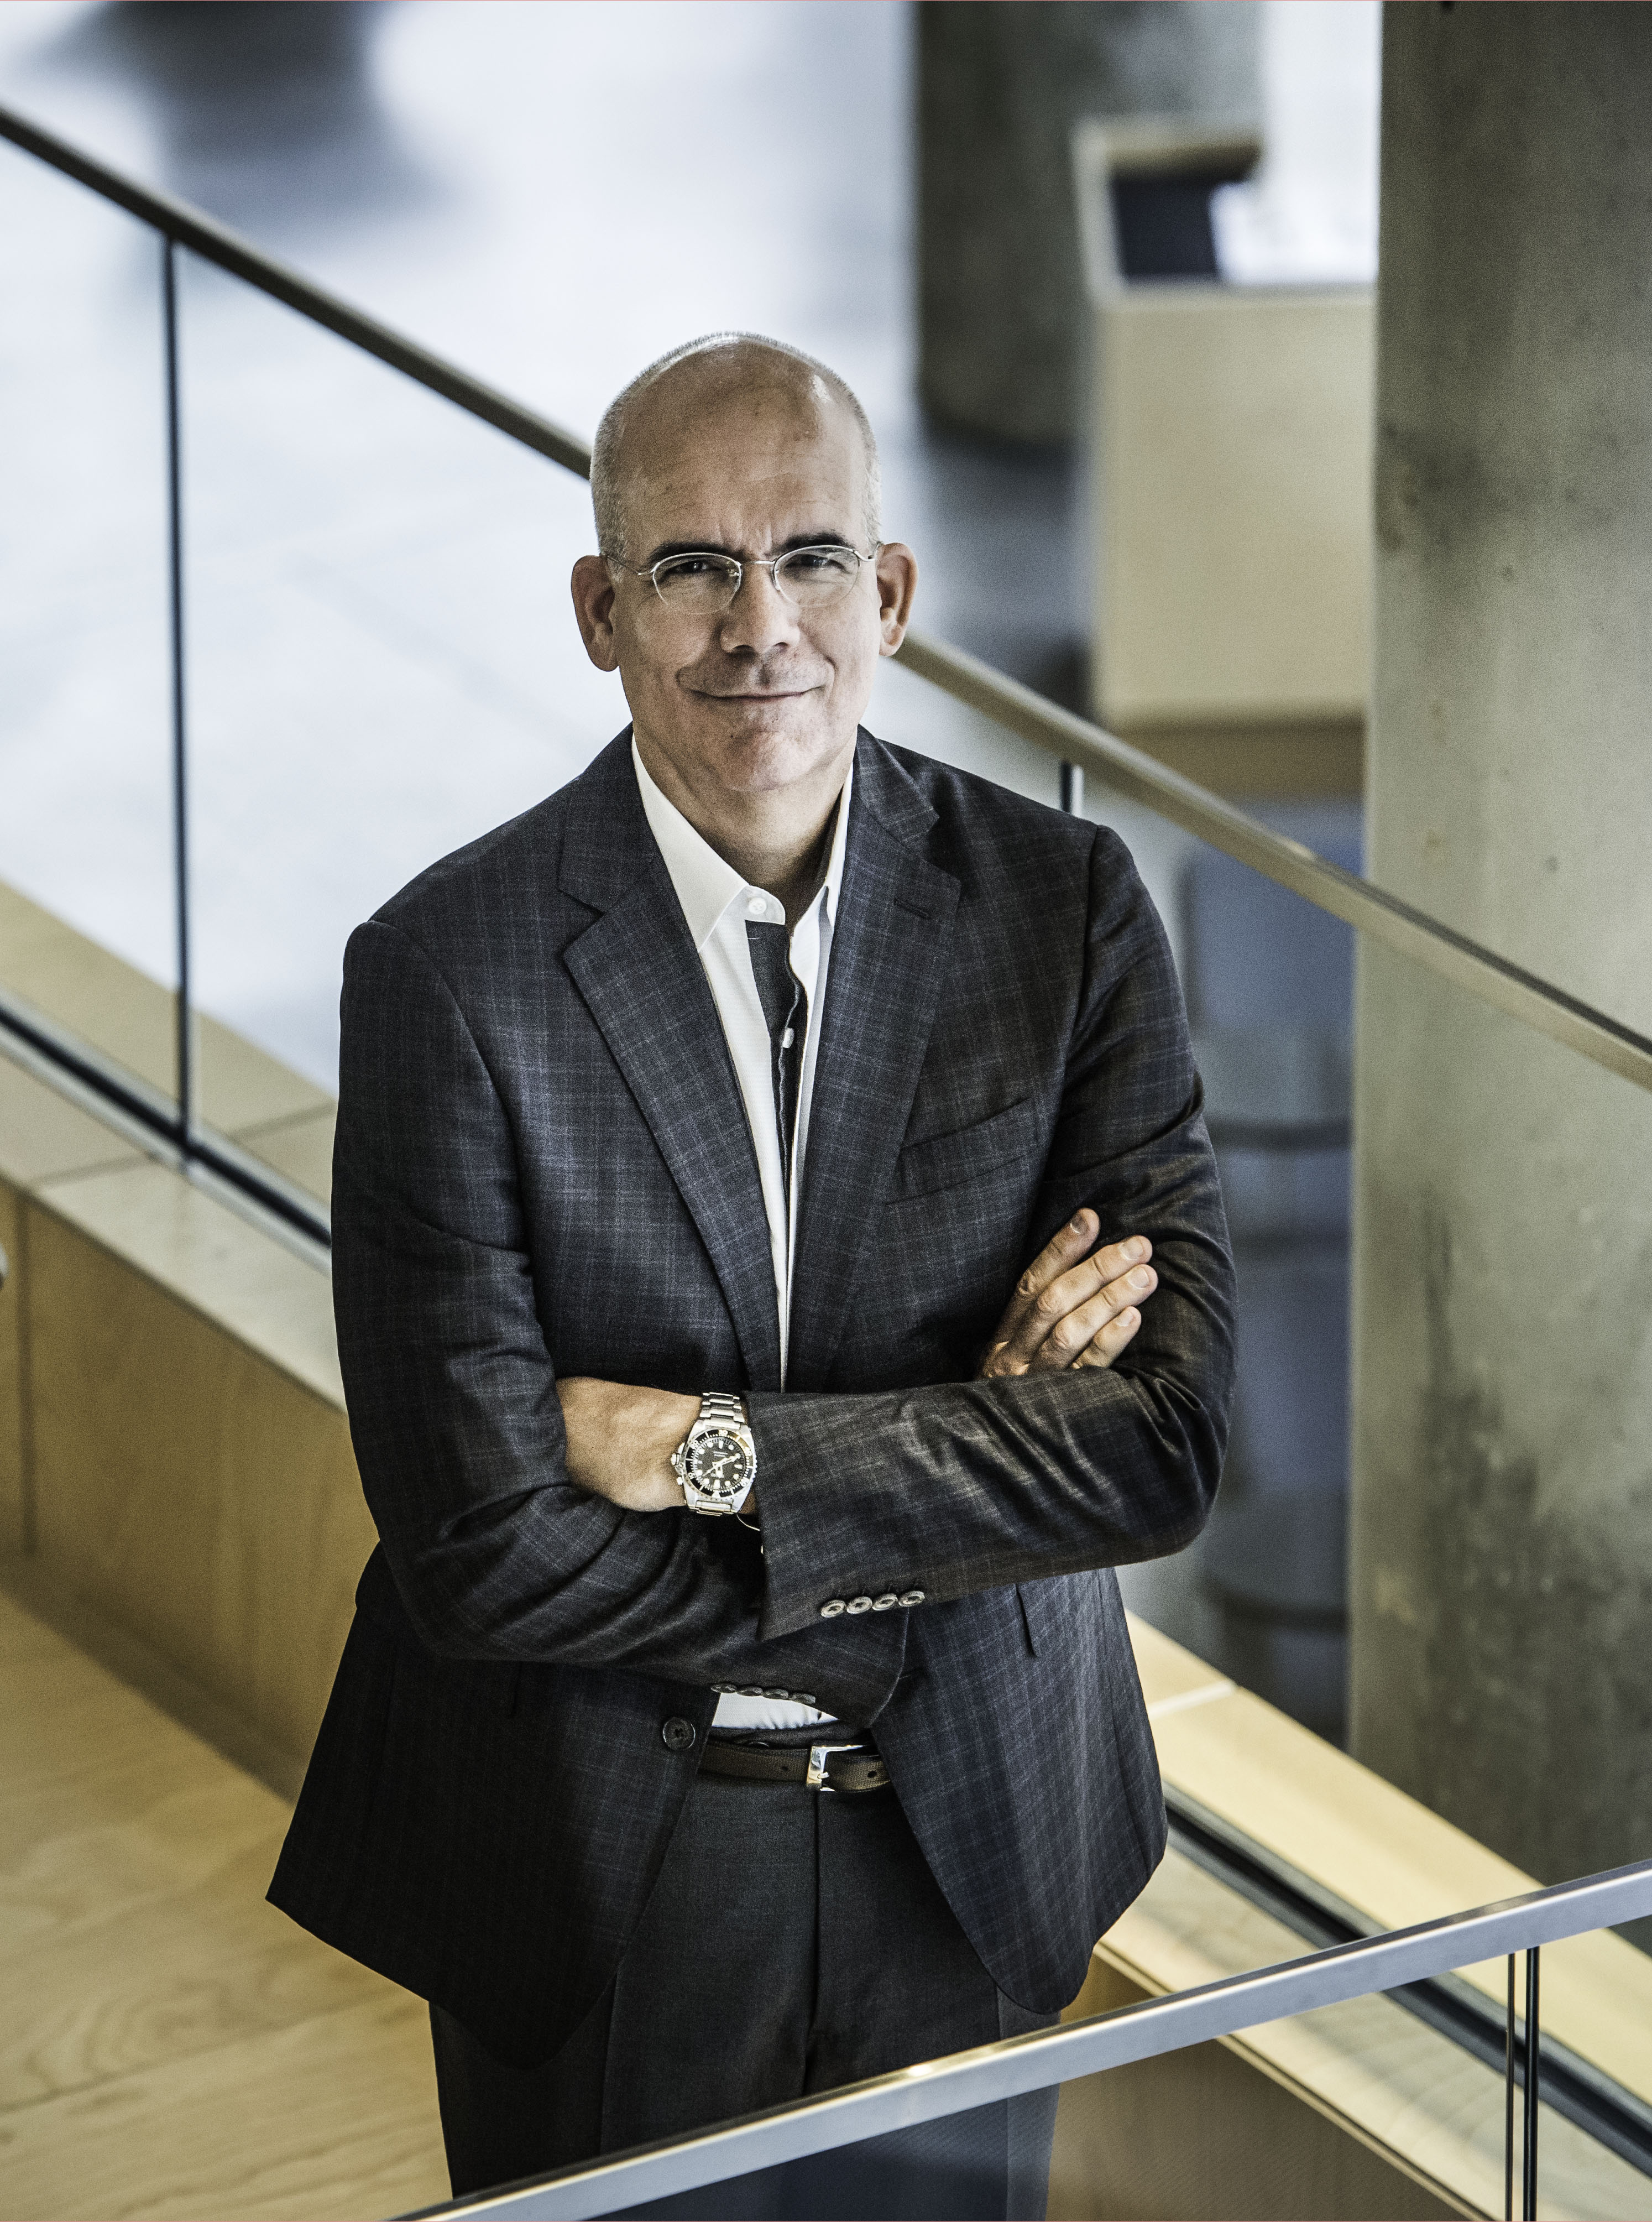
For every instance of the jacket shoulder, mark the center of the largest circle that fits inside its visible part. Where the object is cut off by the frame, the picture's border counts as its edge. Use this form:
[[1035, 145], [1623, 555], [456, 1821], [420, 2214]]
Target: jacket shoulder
[[979, 826]]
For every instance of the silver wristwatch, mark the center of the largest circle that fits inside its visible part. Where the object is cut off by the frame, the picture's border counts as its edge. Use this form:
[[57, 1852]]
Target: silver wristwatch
[[715, 1462]]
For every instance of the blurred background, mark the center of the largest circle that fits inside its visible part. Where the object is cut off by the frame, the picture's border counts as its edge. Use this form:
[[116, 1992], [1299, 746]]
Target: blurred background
[[1105, 274], [381, 659]]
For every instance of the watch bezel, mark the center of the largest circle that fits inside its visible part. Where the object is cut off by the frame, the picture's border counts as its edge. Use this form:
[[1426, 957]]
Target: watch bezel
[[703, 1496]]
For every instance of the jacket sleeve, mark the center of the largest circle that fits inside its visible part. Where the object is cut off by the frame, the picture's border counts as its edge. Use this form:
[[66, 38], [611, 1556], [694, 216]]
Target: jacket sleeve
[[964, 1485], [452, 1404]]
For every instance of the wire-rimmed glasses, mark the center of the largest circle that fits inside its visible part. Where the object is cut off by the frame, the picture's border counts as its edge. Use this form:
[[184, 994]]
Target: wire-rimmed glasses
[[703, 582]]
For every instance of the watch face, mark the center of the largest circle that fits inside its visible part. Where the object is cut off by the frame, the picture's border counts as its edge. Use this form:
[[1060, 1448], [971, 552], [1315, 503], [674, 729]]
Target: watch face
[[717, 1463]]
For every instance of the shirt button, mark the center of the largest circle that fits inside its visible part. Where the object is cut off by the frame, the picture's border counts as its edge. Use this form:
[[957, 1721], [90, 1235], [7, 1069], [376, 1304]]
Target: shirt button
[[677, 1734], [883, 1603], [910, 1597], [860, 1604], [757, 905], [832, 1607]]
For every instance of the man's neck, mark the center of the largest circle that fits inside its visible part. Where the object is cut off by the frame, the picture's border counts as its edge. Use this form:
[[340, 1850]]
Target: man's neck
[[779, 840]]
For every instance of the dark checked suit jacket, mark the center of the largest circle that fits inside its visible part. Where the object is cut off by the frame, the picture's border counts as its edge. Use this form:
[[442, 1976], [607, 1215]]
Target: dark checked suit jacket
[[543, 1166]]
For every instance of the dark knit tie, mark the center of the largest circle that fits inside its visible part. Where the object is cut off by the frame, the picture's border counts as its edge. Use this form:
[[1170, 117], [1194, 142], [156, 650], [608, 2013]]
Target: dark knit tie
[[786, 1009]]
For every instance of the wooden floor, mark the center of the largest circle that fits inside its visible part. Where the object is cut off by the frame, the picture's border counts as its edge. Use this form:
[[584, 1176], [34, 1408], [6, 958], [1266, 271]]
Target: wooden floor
[[170, 2045]]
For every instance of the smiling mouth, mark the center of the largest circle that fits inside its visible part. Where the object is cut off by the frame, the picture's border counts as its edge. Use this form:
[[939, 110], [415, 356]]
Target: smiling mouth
[[749, 694]]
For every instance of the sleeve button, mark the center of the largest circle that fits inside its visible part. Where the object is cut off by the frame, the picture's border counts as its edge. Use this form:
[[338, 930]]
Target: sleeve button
[[832, 1607], [860, 1604], [677, 1734], [883, 1603], [803, 1696], [910, 1597]]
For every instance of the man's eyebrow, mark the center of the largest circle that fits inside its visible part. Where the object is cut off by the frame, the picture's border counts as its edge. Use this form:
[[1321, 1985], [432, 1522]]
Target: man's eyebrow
[[823, 539]]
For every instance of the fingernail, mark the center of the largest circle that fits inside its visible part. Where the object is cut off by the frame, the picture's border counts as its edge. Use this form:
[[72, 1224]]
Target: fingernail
[[1077, 1223], [1129, 1317], [1140, 1278], [1135, 1250]]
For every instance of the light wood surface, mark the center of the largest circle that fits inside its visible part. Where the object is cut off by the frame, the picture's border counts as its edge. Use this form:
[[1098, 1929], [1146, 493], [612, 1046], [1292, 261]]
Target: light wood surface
[[130, 1017], [170, 2045], [1377, 1849], [212, 1261], [1206, 2135], [13, 1517], [1369, 2070], [183, 1486], [301, 1147]]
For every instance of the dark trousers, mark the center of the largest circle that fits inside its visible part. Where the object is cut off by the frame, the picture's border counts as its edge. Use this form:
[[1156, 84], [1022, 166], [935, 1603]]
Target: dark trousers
[[793, 1943]]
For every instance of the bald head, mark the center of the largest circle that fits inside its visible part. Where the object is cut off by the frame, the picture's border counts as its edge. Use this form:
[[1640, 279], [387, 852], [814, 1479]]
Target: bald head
[[731, 378]]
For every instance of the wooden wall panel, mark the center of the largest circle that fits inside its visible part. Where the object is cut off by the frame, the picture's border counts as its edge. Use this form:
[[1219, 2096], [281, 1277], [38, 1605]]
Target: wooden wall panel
[[12, 1521], [1202, 2133], [187, 1490]]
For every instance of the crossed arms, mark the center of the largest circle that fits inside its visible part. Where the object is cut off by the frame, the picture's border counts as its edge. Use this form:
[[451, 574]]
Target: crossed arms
[[500, 1543], [1076, 1305]]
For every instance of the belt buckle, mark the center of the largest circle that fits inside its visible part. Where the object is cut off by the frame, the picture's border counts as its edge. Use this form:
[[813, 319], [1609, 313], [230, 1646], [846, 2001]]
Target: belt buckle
[[818, 1755]]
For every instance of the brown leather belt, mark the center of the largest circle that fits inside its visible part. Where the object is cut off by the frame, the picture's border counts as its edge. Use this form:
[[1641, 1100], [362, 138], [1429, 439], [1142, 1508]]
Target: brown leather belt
[[852, 1768]]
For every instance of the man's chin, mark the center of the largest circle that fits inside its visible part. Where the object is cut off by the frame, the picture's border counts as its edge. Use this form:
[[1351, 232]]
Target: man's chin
[[773, 743]]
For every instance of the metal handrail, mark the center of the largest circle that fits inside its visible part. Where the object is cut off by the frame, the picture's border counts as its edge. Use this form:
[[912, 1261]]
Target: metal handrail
[[1020, 2064], [1400, 925], [215, 243]]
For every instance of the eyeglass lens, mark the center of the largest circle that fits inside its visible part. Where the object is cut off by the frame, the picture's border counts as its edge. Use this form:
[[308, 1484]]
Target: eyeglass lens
[[704, 582]]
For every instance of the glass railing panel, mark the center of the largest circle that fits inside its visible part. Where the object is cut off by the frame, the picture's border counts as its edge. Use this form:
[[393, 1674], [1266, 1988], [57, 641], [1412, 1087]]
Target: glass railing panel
[[87, 933], [383, 663]]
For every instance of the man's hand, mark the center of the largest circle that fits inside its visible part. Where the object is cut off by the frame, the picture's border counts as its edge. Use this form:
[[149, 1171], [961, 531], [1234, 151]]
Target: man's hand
[[1070, 1309], [620, 1442]]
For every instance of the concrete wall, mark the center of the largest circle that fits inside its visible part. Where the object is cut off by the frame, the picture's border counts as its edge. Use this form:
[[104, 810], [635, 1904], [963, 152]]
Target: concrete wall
[[1000, 290], [1502, 1536]]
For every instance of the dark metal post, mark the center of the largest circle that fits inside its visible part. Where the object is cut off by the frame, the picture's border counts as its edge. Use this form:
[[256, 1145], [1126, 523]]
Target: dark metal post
[[1528, 2177], [1073, 789], [180, 792], [1508, 2103]]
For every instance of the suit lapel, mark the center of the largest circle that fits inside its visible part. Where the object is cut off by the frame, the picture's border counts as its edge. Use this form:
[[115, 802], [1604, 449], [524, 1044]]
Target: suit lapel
[[889, 945], [644, 986]]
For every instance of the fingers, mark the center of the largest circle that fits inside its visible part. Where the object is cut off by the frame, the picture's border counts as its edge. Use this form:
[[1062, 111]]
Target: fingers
[[1067, 1296], [1110, 1340], [1099, 1314]]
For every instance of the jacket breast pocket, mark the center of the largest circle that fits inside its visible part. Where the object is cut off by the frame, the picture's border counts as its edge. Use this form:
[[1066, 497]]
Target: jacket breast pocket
[[992, 1147]]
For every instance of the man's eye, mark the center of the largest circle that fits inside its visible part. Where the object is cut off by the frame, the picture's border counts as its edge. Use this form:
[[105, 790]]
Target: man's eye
[[818, 562], [695, 566]]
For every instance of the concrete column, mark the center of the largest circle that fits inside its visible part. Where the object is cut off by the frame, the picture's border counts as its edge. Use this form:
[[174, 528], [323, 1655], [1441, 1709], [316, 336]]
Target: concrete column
[[1001, 297], [1502, 1538]]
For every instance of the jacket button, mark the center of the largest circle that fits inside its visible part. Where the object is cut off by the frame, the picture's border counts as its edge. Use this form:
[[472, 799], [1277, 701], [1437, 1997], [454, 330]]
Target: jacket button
[[883, 1603], [677, 1734], [832, 1607], [911, 1597], [860, 1604]]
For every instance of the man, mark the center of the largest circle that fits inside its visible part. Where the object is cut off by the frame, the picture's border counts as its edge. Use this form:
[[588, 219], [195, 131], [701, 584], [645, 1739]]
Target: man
[[740, 1701]]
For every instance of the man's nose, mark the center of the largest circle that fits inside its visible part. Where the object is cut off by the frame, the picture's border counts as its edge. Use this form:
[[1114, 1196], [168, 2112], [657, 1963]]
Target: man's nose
[[760, 617]]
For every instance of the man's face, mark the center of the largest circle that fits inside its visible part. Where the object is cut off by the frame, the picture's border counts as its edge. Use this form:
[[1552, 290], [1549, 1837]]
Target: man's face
[[765, 693]]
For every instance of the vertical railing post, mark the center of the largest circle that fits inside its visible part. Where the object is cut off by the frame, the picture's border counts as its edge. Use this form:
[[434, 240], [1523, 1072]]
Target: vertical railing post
[[1073, 789], [1529, 2174], [1508, 2102], [180, 789]]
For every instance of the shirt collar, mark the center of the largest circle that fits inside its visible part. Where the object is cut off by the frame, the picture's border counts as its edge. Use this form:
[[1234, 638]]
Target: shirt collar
[[705, 884]]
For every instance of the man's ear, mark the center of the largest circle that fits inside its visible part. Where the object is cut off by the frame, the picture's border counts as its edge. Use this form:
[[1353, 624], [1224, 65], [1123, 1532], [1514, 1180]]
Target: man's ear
[[593, 607], [897, 590]]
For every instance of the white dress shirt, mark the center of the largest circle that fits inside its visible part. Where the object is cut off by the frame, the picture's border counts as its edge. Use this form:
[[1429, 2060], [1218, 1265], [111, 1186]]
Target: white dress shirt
[[717, 903]]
